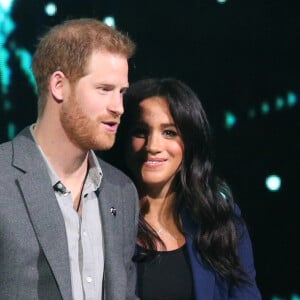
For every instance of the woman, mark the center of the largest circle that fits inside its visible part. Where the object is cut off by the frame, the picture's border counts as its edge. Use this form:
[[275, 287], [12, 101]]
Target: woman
[[192, 242]]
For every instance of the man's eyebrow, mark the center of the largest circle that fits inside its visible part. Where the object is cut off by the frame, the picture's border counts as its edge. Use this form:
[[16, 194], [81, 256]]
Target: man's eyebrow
[[125, 85]]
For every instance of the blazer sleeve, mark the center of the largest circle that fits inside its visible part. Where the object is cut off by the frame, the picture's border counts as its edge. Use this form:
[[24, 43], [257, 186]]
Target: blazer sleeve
[[245, 291]]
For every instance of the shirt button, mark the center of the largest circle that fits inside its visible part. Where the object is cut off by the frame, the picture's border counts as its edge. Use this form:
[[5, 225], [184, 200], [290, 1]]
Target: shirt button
[[89, 279], [85, 233]]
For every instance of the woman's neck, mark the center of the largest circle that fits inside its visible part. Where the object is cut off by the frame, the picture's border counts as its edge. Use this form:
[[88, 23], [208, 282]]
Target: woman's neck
[[160, 217]]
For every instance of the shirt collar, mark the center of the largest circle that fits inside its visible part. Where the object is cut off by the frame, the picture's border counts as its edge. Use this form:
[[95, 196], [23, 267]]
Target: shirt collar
[[95, 174]]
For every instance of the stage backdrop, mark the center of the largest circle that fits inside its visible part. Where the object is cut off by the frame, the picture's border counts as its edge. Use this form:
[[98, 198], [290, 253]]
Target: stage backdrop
[[241, 57]]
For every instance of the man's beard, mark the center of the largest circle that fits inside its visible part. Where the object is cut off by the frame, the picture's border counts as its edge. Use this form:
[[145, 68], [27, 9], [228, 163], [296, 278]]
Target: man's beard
[[81, 130]]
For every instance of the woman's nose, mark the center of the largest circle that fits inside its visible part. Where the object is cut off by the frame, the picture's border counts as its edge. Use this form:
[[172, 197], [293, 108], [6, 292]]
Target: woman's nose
[[153, 143]]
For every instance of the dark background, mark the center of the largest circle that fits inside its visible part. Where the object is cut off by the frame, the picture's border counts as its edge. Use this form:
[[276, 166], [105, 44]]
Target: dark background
[[236, 56]]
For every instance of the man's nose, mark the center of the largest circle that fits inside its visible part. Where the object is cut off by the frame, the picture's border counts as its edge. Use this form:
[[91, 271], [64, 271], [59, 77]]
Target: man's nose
[[116, 104]]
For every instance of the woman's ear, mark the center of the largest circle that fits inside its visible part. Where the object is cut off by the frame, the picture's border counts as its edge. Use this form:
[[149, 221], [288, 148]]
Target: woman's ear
[[57, 81]]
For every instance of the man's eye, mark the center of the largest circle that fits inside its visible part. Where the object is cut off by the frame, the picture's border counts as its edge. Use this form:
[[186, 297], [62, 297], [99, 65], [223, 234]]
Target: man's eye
[[123, 91], [104, 89]]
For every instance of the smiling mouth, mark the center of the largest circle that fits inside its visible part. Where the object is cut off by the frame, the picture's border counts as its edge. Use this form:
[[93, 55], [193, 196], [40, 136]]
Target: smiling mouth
[[154, 162]]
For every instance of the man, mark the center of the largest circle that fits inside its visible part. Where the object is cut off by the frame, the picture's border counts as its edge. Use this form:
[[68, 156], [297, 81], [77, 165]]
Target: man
[[68, 220]]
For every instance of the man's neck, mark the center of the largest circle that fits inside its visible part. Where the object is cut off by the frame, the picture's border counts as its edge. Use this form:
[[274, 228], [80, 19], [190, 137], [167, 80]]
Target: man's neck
[[65, 157]]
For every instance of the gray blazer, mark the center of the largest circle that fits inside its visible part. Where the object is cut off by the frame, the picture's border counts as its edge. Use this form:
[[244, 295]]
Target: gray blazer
[[34, 261]]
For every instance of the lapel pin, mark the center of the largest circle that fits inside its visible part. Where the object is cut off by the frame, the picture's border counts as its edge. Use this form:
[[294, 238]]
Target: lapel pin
[[113, 211]]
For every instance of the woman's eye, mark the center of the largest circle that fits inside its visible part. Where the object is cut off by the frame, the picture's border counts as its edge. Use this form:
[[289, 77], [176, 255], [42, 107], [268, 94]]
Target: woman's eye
[[139, 132], [170, 133]]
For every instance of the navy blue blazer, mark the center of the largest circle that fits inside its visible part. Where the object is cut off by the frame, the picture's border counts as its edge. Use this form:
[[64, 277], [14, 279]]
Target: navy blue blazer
[[208, 285]]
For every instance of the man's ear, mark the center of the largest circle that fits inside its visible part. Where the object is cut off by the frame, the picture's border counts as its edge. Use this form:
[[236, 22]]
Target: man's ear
[[57, 81]]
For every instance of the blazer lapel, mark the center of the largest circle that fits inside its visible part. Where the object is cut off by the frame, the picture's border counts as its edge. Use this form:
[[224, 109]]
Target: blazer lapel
[[204, 278], [203, 275], [43, 209], [113, 216], [111, 220]]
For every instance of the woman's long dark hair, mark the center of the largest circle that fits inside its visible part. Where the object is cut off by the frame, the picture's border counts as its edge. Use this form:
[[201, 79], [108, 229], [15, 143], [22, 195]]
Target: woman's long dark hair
[[206, 199]]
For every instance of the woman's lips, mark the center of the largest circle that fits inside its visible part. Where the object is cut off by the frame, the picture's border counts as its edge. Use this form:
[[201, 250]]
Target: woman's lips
[[152, 163]]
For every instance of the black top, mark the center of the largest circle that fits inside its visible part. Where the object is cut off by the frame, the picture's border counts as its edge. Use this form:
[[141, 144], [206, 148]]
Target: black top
[[167, 276]]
